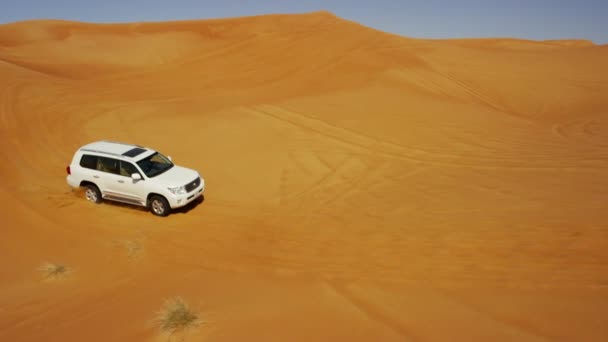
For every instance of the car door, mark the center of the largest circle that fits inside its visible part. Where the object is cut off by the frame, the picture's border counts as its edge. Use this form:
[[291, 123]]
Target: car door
[[108, 176], [125, 186], [92, 172]]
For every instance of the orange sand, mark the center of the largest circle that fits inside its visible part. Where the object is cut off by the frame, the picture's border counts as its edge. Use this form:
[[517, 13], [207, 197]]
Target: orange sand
[[361, 186]]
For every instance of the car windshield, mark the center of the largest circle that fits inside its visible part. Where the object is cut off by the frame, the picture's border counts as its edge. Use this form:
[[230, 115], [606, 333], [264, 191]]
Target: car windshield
[[155, 164]]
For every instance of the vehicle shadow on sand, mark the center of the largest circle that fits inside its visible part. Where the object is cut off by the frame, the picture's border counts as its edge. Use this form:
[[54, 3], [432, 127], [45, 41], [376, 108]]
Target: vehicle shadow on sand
[[182, 210]]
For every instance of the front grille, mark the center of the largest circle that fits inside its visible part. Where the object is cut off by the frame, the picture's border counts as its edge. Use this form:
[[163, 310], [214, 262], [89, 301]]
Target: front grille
[[194, 184]]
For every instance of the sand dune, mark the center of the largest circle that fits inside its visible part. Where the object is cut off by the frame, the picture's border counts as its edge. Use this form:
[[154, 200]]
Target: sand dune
[[361, 185]]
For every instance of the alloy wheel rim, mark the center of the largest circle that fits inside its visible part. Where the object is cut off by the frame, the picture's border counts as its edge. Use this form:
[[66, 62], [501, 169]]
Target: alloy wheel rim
[[91, 195], [158, 207]]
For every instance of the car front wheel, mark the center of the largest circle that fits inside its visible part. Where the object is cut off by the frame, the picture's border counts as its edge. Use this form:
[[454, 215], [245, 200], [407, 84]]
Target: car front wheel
[[159, 206]]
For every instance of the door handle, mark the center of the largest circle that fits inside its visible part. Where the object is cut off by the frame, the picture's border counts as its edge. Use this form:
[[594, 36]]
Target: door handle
[[95, 176], [121, 181]]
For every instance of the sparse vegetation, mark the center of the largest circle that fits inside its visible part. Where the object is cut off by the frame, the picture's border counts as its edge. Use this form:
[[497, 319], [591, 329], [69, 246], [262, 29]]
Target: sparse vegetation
[[53, 270], [133, 248], [177, 317]]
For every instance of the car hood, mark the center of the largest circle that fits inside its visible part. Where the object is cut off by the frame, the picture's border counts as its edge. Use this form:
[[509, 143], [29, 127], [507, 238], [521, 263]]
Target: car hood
[[177, 176]]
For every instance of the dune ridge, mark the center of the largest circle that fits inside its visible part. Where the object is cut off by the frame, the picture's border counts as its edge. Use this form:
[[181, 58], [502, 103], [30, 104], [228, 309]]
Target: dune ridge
[[361, 185]]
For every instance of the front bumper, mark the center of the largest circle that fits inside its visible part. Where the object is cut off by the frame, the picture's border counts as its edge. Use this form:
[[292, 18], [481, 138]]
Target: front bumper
[[176, 201]]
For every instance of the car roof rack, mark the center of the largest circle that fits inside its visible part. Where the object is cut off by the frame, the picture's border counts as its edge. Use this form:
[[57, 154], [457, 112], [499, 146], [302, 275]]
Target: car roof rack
[[103, 152], [122, 143]]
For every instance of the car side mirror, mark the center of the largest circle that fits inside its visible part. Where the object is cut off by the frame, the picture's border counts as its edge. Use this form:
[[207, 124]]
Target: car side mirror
[[136, 176]]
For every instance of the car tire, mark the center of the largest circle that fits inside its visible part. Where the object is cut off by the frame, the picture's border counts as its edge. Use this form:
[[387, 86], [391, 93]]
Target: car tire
[[92, 193], [159, 206]]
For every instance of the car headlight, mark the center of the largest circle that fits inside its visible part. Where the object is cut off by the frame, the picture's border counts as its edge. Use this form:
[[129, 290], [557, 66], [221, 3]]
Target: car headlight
[[179, 190]]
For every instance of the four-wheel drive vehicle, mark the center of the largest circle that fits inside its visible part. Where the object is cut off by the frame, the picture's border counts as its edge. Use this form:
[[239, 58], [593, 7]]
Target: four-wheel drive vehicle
[[133, 174]]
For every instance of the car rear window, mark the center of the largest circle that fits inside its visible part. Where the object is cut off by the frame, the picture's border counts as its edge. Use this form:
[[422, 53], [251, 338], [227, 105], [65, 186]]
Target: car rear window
[[88, 161], [109, 165]]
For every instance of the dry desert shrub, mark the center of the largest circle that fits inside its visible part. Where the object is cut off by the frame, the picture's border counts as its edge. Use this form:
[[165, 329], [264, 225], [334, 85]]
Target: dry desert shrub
[[53, 270], [176, 316], [133, 248]]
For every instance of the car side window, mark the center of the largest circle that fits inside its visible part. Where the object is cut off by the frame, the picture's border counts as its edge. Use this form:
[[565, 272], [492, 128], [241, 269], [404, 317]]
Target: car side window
[[109, 165], [127, 169], [88, 161]]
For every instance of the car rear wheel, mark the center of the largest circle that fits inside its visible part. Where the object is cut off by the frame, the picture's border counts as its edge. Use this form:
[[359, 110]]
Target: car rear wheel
[[92, 194], [159, 206]]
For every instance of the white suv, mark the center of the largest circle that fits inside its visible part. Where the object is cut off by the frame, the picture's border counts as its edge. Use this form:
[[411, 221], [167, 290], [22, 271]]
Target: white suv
[[133, 174]]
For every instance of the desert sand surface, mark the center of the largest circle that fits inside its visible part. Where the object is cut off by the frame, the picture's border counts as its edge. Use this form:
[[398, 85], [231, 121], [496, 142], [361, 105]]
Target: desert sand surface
[[361, 186]]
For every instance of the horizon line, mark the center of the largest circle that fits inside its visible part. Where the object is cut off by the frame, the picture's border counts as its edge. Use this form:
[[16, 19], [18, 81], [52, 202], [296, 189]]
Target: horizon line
[[316, 12]]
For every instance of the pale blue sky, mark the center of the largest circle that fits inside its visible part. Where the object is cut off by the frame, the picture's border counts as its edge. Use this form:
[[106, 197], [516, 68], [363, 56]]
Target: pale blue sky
[[529, 19]]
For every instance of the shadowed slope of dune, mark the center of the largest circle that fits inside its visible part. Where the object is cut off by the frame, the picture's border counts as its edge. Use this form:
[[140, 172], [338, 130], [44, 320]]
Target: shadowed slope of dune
[[360, 185]]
